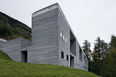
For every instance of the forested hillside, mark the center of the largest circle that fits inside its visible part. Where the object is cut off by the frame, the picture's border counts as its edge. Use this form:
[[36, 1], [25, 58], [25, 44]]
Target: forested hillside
[[11, 28]]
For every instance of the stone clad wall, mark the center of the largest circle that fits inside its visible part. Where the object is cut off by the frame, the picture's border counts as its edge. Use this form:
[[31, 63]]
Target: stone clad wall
[[25, 45], [63, 40], [12, 49], [65, 34], [44, 38]]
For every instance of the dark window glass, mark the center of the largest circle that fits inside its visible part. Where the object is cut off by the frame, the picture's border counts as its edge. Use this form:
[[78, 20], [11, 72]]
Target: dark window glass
[[62, 54], [67, 57]]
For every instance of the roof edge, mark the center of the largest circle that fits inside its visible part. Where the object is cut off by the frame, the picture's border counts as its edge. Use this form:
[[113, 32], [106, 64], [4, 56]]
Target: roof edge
[[48, 8]]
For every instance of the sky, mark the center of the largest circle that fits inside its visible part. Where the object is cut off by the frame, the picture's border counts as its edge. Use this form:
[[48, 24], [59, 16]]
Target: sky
[[87, 18]]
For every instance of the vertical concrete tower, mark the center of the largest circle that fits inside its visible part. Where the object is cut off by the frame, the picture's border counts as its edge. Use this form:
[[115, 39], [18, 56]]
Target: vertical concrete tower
[[44, 36]]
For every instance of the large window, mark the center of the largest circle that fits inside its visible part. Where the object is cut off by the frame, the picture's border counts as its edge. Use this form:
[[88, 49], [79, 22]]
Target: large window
[[72, 43]]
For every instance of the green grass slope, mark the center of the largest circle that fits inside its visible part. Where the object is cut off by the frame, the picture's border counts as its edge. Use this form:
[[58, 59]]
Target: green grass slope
[[4, 56], [9, 68]]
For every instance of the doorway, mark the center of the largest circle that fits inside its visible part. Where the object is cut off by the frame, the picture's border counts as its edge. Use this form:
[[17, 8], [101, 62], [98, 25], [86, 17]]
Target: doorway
[[71, 61], [24, 56]]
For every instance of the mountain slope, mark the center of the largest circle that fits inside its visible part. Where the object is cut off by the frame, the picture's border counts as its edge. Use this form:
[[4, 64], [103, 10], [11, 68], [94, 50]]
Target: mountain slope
[[11, 28], [9, 68]]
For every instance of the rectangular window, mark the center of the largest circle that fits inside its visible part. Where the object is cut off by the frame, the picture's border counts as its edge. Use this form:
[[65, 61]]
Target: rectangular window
[[63, 37], [62, 54], [67, 57], [61, 34]]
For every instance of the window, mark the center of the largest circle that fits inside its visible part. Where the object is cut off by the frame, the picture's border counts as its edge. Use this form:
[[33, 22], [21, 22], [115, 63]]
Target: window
[[61, 34], [62, 54], [63, 37], [67, 57]]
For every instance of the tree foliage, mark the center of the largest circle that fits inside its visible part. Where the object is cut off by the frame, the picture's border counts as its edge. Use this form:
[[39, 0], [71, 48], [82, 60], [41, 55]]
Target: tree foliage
[[86, 49], [99, 54], [104, 58], [110, 60]]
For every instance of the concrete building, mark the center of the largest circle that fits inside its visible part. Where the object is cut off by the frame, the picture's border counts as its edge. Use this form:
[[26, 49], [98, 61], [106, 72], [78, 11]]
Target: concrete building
[[53, 42]]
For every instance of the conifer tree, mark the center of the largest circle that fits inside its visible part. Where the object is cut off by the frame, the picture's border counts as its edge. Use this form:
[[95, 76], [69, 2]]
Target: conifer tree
[[86, 49], [110, 60], [99, 54]]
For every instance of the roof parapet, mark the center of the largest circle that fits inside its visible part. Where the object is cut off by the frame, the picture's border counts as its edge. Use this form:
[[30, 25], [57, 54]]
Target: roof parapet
[[41, 11]]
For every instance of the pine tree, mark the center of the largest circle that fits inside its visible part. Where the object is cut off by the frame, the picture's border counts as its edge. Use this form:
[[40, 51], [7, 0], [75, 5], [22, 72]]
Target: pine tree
[[86, 49], [110, 60], [99, 54]]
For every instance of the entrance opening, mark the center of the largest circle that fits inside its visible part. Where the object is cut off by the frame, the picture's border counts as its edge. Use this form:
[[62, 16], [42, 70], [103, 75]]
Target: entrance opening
[[72, 44], [24, 56], [71, 61]]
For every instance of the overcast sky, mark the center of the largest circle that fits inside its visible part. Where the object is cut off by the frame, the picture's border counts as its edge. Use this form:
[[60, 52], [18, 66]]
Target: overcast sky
[[87, 18]]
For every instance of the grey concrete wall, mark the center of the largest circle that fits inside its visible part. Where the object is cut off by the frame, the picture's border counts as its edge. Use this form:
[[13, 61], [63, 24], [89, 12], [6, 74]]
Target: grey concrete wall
[[63, 45], [25, 44], [64, 40], [12, 49], [65, 29], [83, 65], [44, 38]]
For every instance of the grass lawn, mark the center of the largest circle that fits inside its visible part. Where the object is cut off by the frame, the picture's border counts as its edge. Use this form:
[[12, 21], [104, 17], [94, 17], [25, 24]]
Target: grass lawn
[[9, 68]]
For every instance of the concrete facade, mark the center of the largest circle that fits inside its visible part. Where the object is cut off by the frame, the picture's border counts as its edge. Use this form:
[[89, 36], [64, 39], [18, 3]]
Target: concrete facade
[[53, 42], [14, 47]]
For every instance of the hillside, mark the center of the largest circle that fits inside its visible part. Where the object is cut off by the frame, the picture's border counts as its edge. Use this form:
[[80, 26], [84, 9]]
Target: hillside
[[9, 68], [11, 28]]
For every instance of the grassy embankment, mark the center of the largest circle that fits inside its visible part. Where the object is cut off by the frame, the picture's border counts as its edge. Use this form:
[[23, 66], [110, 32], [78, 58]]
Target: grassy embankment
[[9, 68]]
